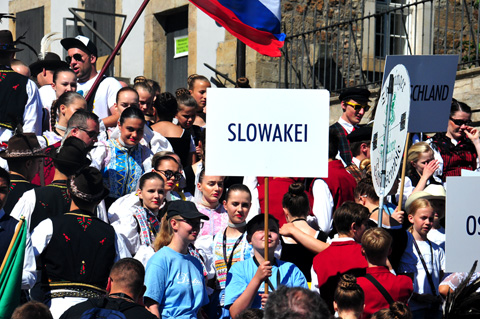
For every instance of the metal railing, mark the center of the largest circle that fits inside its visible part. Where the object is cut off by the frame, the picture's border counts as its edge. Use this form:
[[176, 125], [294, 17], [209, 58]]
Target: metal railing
[[344, 44]]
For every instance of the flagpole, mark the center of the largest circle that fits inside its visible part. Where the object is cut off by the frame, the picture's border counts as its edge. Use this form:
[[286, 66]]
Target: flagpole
[[116, 49], [241, 57], [12, 242]]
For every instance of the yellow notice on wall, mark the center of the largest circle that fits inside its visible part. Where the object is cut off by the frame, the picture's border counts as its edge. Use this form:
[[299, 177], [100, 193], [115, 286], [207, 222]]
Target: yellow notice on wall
[[181, 46]]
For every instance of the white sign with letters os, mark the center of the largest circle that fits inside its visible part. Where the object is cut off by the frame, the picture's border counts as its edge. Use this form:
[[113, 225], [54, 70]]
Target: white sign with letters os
[[398, 122], [267, 132], [462, 223]]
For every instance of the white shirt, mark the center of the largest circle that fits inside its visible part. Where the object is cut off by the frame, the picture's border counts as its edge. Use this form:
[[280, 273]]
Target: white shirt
[[47, 96], [347, 126], [26, 205], [105, 96], [29, 266], [356, 161], [251, 182], [322, 205]]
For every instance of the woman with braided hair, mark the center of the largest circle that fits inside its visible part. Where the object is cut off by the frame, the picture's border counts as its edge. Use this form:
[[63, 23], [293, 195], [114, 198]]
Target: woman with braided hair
[[62, 109], [349, 298]]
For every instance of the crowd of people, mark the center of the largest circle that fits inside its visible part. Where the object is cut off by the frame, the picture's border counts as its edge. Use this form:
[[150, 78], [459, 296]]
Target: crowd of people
[[122, 218]]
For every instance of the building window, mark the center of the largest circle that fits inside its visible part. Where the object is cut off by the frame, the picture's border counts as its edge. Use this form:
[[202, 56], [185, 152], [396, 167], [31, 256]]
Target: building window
[[391, 35]]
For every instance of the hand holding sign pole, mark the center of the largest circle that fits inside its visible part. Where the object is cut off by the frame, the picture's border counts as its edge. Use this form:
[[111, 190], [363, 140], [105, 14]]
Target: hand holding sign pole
[[389, 132]]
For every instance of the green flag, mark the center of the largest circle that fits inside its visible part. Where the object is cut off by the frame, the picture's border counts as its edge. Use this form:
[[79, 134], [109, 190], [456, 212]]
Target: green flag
[[11, 272]]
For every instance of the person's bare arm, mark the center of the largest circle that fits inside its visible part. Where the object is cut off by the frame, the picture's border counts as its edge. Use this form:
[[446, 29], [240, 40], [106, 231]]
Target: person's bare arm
[[153, 307], [111, 120], [305, 240]]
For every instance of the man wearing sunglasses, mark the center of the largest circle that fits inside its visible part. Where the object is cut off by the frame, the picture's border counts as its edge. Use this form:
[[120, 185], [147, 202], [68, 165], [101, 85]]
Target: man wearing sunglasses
[[354, 102], [82, 58]]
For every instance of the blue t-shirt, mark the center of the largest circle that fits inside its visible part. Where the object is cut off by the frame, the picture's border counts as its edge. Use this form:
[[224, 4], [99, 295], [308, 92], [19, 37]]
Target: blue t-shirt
[[176, 282], [242, 273]]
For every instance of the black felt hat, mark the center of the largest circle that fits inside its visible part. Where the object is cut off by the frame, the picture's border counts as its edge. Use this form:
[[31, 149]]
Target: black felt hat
[[23, 145], [6, 42], [51, 62], [185, 209], [81, 42], [362, 133], [72, 155], [258, 223], [87, 185], [356, 94]]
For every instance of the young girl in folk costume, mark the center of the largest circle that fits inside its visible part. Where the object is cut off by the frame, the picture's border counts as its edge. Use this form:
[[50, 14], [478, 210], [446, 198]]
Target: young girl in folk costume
[[211, 188], [62, 110], [197, 85], [425, 301], [123, 160], [64, 80], [421, 167], [139, 224], [175, 284], [186, 114], [146, 98], [230, 245]]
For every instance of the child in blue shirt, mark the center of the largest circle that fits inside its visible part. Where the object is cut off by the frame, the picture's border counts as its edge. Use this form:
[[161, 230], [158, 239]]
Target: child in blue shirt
[[245, 280]]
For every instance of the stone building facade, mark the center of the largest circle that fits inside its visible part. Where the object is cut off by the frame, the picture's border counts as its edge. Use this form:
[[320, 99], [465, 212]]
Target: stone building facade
[[330, 44]]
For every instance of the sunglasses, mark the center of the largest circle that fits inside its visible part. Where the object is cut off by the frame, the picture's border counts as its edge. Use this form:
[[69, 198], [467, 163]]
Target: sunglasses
[[358, 107], [169, 174], [90, 134], [77, 57], [191, 223], [461, 122]]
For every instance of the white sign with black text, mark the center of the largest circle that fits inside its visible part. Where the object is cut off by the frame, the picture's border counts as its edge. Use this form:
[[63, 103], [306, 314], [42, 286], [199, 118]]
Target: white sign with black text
[[462, 223], [267, 132]]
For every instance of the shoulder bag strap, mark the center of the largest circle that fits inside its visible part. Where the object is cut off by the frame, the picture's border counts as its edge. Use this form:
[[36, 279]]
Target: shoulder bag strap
[[380, 288], [429, 276]]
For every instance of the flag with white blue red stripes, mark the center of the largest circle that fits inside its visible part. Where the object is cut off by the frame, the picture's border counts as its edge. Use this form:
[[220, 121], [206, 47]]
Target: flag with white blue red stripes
[[254, 22]]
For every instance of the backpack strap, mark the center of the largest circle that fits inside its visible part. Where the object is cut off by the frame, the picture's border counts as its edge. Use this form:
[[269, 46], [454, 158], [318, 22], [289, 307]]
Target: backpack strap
[[380, 288]]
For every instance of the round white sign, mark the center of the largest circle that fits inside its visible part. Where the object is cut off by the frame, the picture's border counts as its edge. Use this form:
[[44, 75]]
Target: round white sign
[[397, 133]]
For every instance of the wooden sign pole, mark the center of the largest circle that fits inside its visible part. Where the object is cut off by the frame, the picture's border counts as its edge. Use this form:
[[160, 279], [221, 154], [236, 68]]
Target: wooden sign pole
[[266, 226], [402, 181]]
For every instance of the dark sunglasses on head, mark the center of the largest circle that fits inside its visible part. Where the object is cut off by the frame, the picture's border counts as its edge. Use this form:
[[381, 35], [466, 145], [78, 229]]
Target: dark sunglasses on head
[[461, 122], [77, 57], [357, 107], [169, 174]]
